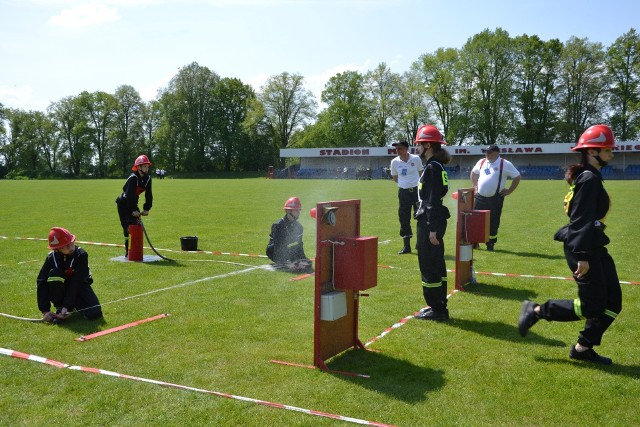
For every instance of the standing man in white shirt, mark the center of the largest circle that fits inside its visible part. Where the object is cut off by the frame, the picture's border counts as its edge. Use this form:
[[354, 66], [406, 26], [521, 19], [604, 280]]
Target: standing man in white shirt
[[405, 171], [489, 178]]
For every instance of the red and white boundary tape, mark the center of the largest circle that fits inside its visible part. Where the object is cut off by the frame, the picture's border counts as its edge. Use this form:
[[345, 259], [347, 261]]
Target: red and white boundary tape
[[530, 276], [115, 245], [526, 276], [121, 327], [396, 325], [57, 364]]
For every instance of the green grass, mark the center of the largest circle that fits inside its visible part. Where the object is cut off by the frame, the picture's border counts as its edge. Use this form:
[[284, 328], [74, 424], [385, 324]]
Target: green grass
[[222, 333]]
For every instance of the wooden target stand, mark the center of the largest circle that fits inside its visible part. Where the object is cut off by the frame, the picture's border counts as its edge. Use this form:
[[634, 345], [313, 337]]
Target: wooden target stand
[[472, 226], [346, 264]]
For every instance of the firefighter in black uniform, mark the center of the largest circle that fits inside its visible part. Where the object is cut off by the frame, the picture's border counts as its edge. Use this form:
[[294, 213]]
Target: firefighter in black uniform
[[285, 246], [599, 294], [432, 218], [138, 182], [65, 280]]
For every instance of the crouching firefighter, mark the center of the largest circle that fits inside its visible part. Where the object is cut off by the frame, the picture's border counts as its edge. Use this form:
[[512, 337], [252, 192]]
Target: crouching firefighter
[[65, 280], [285, 246], [138, 182]]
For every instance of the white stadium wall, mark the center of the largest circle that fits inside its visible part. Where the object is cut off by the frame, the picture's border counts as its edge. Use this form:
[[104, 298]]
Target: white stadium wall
[[523, 156]]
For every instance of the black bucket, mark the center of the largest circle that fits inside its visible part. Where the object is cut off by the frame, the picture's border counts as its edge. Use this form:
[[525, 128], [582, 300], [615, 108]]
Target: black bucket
[[189, 243]]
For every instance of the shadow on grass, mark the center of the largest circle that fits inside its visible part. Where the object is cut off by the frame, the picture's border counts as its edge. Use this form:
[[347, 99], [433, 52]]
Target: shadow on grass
[[501, 331], [500, 292], [77, 323], [163, 263], [395, 378], [530, 254], [631, 371]]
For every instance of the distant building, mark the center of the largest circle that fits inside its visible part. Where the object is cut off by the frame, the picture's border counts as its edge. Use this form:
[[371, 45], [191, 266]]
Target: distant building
[[535, 161]]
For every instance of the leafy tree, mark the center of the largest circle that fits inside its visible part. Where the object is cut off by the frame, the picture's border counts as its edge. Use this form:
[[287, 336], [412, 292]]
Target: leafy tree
[[100, 110], [188, 118], [488, 62], [127, 128], [47, 140], [444, 81], [412, 109], [383, 93], [231, 100], [287, 107], [535, 87], [259, 150], [19, 152], [583, 87], [345, 118], [151, 117], [623, 69], [71, 125]]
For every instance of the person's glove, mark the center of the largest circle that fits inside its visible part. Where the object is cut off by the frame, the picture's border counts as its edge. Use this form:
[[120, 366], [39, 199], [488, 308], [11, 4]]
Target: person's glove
[[48, 317], [64, 313]]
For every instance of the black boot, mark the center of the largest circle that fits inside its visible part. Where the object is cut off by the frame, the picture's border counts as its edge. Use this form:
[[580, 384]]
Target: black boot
[[407, 246], [126, 247]]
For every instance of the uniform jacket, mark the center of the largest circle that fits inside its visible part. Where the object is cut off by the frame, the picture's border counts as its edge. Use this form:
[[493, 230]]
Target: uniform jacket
[[285, 241], [74, 268], [588, 204], [132, 189], [434, 185]]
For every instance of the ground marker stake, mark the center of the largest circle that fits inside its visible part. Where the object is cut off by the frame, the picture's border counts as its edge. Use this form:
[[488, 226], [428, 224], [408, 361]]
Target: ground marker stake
[[121, 327]]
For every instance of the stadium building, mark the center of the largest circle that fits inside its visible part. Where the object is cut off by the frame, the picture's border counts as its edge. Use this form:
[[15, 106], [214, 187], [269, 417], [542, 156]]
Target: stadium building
[[534, 161]]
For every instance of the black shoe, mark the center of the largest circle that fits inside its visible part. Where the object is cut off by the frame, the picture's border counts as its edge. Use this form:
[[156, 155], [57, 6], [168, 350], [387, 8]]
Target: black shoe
[[490, 246], [438, 316], [528, 317], [589, 356], [404, 251]]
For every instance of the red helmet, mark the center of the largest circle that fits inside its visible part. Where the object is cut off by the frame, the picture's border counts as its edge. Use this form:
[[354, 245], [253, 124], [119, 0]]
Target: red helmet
[[597, 136], [292, 203], [60, 237], [429, 133], [141, 160]]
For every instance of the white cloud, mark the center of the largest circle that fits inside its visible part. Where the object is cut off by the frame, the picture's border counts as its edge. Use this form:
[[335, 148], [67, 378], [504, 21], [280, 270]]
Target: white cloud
[[149, 92], [257, 81], [85, 15], [20, 97], [316, 82]]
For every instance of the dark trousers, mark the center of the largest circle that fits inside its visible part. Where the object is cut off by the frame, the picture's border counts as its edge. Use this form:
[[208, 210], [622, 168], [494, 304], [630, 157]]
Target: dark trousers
[[432, 266], [86, 300], [407, 200], [125, 218], [599, 298], [493, 204]]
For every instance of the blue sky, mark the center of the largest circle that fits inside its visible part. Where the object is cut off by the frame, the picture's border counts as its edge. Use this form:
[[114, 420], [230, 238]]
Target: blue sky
[[50, 49]]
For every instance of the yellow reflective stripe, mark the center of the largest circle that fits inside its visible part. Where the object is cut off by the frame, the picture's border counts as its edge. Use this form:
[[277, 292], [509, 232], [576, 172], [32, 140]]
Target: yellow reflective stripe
[[611, 314], [577, 308], [495, 236], [290, 245], [567, 199], [445, 178], [55, 279], [431, 285]]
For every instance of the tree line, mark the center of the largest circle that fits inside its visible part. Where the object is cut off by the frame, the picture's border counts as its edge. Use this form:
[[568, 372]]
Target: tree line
[[495, 89]]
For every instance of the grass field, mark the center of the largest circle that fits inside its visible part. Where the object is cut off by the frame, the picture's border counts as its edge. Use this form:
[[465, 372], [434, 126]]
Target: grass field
[[229, 320]]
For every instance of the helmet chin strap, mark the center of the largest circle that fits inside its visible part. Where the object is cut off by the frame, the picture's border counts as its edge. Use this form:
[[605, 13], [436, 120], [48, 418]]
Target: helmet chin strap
[[601, 162]]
